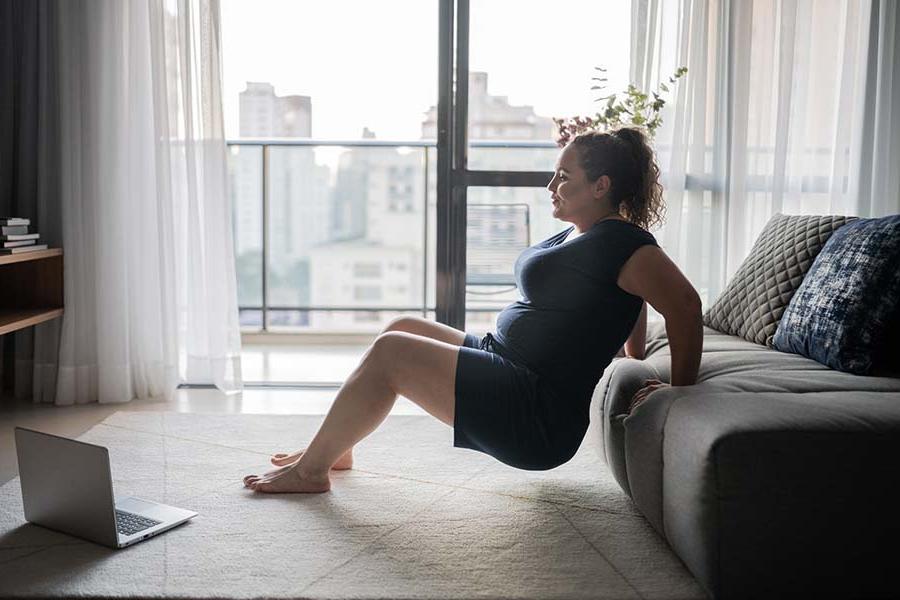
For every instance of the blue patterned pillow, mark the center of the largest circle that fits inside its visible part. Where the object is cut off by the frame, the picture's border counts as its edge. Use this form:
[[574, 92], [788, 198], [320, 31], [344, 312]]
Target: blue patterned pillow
[[844, 310]]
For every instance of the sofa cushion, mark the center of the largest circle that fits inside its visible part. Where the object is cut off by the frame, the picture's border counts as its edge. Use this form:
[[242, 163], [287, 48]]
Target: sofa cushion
[[845, 308], [756, 296], [736, 366]]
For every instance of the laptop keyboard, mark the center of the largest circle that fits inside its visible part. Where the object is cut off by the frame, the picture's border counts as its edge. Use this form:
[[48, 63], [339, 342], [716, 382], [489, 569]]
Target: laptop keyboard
[[128, 523]]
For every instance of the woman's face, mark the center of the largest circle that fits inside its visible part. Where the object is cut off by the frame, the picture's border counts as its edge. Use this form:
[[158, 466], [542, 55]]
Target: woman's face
[[574, 198]]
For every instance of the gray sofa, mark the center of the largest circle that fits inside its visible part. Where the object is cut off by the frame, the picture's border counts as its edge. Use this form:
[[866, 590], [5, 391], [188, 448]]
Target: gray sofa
[[773, 476]]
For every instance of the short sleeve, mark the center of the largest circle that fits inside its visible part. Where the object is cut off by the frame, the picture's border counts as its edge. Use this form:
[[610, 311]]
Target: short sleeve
[[618, 247]]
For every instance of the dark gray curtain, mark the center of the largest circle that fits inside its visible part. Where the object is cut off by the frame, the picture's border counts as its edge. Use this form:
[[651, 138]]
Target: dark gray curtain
[[29, 170]]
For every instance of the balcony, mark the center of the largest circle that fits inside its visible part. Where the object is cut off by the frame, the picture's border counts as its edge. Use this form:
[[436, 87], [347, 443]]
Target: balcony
[[338, 237], [335, 238]]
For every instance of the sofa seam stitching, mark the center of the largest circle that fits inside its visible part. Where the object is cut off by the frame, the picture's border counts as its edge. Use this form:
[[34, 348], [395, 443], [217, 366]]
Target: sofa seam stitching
[[717, 584]]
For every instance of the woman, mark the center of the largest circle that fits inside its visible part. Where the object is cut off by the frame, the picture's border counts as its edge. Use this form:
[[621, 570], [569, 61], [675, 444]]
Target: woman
[[523, 394]]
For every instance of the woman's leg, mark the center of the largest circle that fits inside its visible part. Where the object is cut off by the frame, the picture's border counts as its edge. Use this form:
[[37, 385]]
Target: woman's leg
[[429, 329], [409, 324], [419, 368]]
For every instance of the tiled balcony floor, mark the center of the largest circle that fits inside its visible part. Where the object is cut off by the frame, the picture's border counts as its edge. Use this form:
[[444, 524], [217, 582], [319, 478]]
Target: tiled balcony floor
[[283, 363]]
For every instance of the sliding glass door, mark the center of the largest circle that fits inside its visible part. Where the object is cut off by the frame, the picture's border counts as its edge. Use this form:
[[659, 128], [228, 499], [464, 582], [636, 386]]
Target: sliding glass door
[[506, 69]]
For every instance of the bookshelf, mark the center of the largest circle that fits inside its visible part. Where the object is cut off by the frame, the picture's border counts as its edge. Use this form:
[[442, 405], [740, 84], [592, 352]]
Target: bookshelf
[[31, 288]]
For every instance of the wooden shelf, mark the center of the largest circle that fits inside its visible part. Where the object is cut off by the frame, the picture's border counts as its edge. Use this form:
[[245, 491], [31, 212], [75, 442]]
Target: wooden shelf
[[31, 288], [14, 319], [8, 259]]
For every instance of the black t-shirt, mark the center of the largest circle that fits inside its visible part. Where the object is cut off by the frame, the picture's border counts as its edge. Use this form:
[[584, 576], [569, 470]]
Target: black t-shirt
[[572, 318]]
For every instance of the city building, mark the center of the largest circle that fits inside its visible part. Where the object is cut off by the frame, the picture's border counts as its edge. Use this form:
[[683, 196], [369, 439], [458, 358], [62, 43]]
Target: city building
[[361, 238], [263, 114], [299, 199], [494, 118]]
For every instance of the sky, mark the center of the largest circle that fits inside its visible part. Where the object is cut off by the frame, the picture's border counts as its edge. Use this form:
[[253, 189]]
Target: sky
[[373, 63]]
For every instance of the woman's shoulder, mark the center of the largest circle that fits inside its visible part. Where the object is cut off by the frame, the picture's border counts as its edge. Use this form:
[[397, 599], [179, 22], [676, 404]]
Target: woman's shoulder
[[619, 230]]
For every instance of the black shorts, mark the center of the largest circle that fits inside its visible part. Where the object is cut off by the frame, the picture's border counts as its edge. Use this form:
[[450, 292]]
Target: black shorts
[[504, 409]]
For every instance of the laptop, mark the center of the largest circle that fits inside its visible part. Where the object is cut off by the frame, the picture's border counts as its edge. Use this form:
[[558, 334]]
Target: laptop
[[67, 486]]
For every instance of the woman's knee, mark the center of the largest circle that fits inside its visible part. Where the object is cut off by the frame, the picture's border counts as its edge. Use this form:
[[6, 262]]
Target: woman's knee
[[384, 346], [387, 354], [402, 323]]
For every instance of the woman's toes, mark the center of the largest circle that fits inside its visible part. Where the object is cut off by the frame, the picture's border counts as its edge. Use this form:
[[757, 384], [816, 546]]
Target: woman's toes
[[291, 481]]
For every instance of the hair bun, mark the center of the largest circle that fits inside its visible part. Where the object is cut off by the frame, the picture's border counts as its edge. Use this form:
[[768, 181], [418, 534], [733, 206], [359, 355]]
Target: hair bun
[[631, 135]]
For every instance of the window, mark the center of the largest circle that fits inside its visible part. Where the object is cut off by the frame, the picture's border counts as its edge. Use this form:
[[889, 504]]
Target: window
[[366, 292], [367, 270]]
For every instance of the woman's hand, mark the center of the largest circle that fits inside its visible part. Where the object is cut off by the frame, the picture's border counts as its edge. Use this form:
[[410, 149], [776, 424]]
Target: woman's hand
[[650, 386]]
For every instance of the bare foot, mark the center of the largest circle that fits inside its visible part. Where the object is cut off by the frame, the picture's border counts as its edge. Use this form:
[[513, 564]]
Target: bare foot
[[288, 480], [250, 478], [343, 463]]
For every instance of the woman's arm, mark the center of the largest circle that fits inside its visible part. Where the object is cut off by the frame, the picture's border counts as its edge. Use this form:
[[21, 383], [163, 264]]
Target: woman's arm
[[636, 344], [650, 274]]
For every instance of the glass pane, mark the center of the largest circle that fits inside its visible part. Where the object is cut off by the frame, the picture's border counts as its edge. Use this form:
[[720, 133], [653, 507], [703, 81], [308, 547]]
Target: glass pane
[[542, 69], [346, 228], [524, 156], [335, 321], [287, 74], [331, 70], [245, 179]]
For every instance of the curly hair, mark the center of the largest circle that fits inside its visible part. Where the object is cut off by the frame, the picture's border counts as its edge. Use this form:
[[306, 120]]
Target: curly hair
[[625, 156]]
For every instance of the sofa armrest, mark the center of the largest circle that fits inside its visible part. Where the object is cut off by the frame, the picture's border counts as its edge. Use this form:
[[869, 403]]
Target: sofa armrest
[[621, 380], [780, 495]]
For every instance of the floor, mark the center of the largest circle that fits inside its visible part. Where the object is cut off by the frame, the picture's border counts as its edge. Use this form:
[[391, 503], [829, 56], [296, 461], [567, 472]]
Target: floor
[[72, 421], [286, 368], [295, 363]]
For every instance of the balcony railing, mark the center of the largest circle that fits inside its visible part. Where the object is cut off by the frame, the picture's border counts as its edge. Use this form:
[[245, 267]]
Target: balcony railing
[[315, 200]]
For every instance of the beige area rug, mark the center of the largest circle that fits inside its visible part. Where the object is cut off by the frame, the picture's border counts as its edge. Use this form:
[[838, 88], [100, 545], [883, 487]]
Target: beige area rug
[[415, 518]]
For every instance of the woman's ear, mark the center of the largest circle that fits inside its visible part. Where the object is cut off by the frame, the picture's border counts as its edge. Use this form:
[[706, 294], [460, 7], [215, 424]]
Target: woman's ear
[[601, 186]]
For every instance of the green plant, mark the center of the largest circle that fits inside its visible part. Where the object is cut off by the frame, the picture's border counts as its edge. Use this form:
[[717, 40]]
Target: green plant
[[636, 109]]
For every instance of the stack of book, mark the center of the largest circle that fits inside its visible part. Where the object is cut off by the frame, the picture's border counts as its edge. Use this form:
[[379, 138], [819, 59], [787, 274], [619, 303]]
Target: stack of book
[[15, 237]]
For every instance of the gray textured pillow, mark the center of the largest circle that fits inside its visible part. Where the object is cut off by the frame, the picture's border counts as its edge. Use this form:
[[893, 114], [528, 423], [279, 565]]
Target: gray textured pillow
[[753, 301]]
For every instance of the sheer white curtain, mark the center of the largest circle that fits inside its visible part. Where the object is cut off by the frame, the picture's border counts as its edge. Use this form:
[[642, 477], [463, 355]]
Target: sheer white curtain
[[879, 180], [784, 105], [150, 288]]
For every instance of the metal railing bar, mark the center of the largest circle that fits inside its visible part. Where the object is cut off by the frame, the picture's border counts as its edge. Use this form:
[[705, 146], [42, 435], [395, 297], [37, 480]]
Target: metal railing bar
[[425, 239], [285, 385], [426, 143], [349, 308], [508, 179], [317, 142], [432, 143], [265, 235]]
